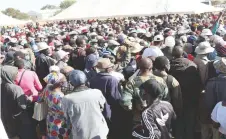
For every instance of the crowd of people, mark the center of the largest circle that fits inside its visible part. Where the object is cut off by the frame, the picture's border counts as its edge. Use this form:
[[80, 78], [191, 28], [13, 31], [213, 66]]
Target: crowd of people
[[143, 77]]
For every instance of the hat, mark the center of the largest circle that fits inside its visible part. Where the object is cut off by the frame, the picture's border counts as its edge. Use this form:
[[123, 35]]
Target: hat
[[54, 69], [136, 48], [104, 63], [91, 61], [94, 41], [61, 54], [184, 39], [113, 43], [77, 77], [73, 33], [170, 41], [158, 38], [42, 46], [67, 47], [206, 32], [204, 48], [220, 65], [13, 40]]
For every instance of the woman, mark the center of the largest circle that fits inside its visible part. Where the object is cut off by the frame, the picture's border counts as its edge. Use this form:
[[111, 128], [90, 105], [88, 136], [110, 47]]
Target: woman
[[57, 126], [13, 102]]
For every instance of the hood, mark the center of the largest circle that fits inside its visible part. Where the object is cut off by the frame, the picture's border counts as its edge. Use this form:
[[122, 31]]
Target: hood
[[8, 74], [181, 64]]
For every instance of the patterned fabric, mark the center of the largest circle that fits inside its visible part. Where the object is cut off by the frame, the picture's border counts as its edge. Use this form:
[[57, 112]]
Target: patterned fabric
[[132, 98], [57, 125]]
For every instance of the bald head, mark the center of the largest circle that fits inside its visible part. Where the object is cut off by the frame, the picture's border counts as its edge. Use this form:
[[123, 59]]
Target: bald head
[[177, 51], [145, 63]]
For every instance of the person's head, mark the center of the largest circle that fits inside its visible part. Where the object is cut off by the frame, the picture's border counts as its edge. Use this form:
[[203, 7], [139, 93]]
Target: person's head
[[19, 63], [91, 50], [177, 52], [224, 37], [43, 48], [26, 45], [72, 43], [19, 55], [145, 64], [77, 78], [80, 42], [152, 90], [66, 71], [158, 40], [162, 63]]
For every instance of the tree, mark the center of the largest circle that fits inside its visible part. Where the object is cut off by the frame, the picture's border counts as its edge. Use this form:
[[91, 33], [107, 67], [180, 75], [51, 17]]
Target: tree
[[14, 13], [48, 6], [66, 3]]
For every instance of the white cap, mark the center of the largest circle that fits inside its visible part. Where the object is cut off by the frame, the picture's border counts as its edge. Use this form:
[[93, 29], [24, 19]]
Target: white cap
[[113, 42], [158, 38], [170, 41], [184, 39], [206, 32]]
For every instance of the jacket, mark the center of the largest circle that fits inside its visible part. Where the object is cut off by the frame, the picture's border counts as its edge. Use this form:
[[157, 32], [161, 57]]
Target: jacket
[[187, 74], [13, 101]]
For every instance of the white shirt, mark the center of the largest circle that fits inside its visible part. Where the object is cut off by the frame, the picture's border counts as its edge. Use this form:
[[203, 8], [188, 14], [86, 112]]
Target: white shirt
[[218, 115], [152, 51]]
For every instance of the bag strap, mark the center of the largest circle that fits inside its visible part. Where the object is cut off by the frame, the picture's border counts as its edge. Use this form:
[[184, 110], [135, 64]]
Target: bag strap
[[21, 77]]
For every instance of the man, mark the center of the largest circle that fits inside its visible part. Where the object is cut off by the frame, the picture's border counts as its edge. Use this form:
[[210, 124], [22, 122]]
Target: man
[[27, 63], [132, 98], [13, 102], [162, 66], [109, 86], [78, 56], [186, 72], [157, 117], [154, 51], [43, 62], [169, 43], [83, 107], [214, 93]]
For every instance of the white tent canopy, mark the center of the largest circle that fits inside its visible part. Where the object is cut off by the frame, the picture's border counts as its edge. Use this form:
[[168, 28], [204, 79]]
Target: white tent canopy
[[88, 9], [6, 20]]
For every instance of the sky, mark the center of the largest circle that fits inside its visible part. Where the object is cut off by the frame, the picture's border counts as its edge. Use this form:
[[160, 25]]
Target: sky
[[27, 5]]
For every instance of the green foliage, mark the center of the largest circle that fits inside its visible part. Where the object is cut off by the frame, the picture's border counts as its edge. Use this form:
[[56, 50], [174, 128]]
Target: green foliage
[[66, 3], [48, 6], [57, 12], [14, 13]]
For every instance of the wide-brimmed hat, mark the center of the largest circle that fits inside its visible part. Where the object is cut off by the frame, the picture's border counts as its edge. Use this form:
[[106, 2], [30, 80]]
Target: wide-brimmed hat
[[113, 43], [158, 38], [204, 48], [220, 65], [104, 63], [42, 46], [206, 32], [135, 48], [61, 54]]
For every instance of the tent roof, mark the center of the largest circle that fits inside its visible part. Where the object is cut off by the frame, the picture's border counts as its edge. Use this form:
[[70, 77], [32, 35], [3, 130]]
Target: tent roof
[[88, 9], [6, 20]]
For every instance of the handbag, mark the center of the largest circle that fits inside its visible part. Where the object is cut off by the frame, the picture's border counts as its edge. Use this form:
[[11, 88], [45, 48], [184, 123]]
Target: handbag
[[40, 110]]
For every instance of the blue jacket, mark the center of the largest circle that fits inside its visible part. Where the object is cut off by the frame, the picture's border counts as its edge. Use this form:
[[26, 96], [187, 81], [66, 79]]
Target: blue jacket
[[109, 86]]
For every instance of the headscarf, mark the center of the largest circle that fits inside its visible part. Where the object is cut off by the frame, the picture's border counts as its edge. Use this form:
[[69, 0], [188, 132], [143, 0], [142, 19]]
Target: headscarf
[[9, 58], [8, 74]]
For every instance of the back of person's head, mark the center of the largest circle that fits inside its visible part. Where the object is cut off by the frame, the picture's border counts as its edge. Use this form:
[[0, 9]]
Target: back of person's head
[[145, 64], [19, 64], [79, 41], [90, 50], [72, 42], [152, 88], [161, 63], [18, 55], [177, 51], [26, 45]]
